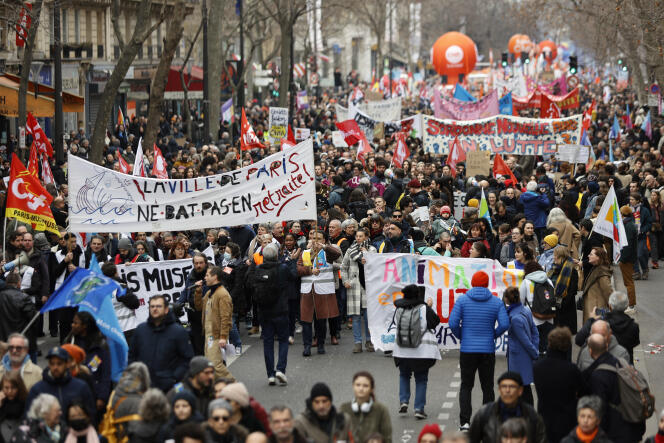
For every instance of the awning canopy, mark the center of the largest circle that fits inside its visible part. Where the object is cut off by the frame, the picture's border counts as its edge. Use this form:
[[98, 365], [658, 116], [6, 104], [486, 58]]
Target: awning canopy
[[193, 78], [43, 105]]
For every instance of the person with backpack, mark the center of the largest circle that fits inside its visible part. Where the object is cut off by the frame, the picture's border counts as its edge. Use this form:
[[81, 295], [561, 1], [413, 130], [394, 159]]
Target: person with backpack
[[217, 320], [269, 283], [415, 346], [473, 320], [537, 292]]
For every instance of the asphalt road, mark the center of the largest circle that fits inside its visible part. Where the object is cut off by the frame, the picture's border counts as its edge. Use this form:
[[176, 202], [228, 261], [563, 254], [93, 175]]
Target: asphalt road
[[337, 367]]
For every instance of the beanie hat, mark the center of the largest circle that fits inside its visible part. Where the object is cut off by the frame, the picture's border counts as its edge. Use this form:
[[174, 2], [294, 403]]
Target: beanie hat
[[187, 396], [411, 292], [551, 240], [199, 364], [431, 428], [445, 209], [124, 243], [76, 352], [480, 280], [320, 390], [237, 392], [474, 203], [593, 187], [511, 375]]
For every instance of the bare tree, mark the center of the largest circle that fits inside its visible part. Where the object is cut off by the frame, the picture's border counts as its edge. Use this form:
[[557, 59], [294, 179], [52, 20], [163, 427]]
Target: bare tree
[[186, 117], [128, 52]]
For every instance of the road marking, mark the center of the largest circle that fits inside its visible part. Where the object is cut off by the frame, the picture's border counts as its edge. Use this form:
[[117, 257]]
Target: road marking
[[443, 416], [457, 375], [232, 359], [455, 384], [451, 394], [448, 405]]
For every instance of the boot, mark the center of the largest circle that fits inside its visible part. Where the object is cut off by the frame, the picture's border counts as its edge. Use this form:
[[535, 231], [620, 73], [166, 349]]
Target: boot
[[307, 351], [369, 347], [357, 348]]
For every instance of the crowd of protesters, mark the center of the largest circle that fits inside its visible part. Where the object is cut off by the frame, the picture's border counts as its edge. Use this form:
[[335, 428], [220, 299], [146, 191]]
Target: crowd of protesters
[[267, 278]]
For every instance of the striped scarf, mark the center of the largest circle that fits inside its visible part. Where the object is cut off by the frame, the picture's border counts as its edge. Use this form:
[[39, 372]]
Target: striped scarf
[[561, 275]]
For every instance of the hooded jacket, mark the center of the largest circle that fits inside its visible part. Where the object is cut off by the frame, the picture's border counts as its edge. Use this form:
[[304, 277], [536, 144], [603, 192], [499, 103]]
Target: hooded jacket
[[16, 310], [335, 428], [66, 389], [527, 288], [623, 327], [535, 207], [473, 320]]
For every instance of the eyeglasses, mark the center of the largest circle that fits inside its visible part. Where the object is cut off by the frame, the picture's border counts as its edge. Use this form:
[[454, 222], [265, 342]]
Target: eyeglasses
[[223, 418], [16, 348]]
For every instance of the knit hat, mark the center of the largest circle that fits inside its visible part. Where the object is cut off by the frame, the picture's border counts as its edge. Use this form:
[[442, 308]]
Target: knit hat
[[124, 243], [320, 390], [414, 183], [41, 242], [76, 352], [551, 240], [511, 375], [187, 396], [445, 210], [411, 292], [431, 428], [474, 203], [480, 280], [199, 364], [237, 392]]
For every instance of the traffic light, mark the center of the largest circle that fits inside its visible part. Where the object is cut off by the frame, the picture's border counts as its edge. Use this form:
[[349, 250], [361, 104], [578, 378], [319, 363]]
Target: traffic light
[[503, 59], [525, 58], [620, 61], [573, 64]]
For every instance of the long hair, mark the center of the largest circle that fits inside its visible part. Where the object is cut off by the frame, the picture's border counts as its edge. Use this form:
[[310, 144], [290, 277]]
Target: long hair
[[154, 406], [14, 379], [556, 215]]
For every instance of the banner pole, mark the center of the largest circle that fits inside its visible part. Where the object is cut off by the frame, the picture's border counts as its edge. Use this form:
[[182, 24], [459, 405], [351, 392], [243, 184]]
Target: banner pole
[[4, 240], [30, 323]]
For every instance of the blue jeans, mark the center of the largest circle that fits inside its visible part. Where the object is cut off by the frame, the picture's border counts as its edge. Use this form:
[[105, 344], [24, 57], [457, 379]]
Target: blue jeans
[[234, 334], [357, 326], [275, 326], [421, 379], [643, 255]]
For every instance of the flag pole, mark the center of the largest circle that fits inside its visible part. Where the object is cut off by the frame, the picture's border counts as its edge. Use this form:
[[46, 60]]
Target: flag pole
[[4, 239], [36, 316]]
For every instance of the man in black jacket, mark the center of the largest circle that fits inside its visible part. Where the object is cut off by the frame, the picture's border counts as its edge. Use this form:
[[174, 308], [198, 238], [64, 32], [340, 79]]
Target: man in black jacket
[[193, 292], [485, 424], [16, 307], [628, 254], [394, 189]]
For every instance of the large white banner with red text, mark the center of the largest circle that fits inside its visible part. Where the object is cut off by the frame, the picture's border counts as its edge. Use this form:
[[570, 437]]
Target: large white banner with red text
[[279, 187]]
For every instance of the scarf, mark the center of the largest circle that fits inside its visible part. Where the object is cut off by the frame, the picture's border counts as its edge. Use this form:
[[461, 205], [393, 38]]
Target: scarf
[[586, 438], [561, 275], [507, 413], [53, 434], [356, 255], [89, 433]]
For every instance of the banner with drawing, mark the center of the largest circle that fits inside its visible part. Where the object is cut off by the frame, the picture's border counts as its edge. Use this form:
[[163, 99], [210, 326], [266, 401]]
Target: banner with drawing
[[279, 187], [455, 109], [502, 134], [444, 279]]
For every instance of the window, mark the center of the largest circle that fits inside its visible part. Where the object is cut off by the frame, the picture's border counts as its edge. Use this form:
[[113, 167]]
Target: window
[[64, 26], [77, 26], [355, 52]]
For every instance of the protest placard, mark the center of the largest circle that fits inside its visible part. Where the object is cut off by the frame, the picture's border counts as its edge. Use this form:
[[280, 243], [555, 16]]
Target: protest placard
[[302, 134], [338, 139], [572, 153], [478, 163], [278, 123]]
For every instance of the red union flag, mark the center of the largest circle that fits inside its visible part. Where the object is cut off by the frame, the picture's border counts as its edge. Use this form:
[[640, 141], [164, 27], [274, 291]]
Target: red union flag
[[401, 153], [38, 136], [27, 200], [501, 168], [47, 174], [23, 25], [248, 138], [351, 130], [33, 167], [457, 155], [159, 166], [548, 108], [122, 163], [588, 117], [363, 149]]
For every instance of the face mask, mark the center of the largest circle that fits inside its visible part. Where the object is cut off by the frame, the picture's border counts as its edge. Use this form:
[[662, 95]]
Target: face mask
[[79, 425], [227, 256]]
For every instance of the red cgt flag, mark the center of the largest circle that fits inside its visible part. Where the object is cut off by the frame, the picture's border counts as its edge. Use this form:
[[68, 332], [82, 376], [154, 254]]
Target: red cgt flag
[[38, 136], [501, 168], [548, 109], [248, 138], [401, 153], [33, 167], [351, 130], [47, 174], [124, 166], [159, 167], [27, 200], [363, 149], [23, 25], [456, 155]]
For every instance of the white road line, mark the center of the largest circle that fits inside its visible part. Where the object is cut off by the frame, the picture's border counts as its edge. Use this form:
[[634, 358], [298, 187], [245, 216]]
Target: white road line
[[451, 394], [443, 416], [448, 405], [455, 384]]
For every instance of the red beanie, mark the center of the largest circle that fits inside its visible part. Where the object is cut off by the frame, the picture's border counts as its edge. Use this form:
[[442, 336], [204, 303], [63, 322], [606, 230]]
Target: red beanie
[[480, 279], [431, 428]]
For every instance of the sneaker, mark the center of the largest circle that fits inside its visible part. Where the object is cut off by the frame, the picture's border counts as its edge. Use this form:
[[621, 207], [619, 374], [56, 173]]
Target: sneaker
[[357, 348], [655, 265], [369, 347], [255, 330], [403, 408], [271, 381], [420, 414], [630, 310], [282, 378], [644, 276], [298, 329], [307, 351], [238, 350], [464, 427], [291, 340], [636, 276], [387, 353]]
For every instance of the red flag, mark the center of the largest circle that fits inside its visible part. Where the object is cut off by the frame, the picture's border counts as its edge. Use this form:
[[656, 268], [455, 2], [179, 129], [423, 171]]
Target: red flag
[[23, 25], [501, 168], [159, 167], [588, 117], [40, 140], [291, 136], [122, 163], [27, 200], [248, 138], [120, 117], [33, 167], [47, 174], [351, 130], [548, 109], [363, 149], [456, 155], [285, 143], [401, 153]]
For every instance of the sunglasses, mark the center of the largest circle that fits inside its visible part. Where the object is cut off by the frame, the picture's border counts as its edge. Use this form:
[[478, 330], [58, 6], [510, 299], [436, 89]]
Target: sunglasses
[[223, 418], [396, 215], [15, 348]]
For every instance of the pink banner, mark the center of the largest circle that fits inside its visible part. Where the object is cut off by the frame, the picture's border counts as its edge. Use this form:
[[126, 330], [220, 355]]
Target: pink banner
[[454, 109], [550, 88]]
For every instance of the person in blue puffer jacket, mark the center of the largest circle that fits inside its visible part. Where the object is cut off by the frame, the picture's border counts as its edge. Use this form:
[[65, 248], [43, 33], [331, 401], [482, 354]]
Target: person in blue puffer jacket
[[536, 203], [473, 320]]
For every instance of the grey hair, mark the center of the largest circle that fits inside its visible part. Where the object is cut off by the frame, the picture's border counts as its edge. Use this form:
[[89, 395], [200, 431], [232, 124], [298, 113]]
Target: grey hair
[[41, 406], [271, 253], [219, 403], [590, 402], [26, 342], [531, 186], [267, 226], [136, 373], [154, 406], [556, 215], [618, 301], [348, 222]]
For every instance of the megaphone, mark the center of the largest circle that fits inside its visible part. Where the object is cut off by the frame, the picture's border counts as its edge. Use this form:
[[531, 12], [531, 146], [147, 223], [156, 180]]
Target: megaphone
[[21, 260]]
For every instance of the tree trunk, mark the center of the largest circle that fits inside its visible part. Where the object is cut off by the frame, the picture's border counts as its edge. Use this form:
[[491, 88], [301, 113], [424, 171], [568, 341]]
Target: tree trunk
[[174, 32], [27, 63], [284, 77], [215, 61]]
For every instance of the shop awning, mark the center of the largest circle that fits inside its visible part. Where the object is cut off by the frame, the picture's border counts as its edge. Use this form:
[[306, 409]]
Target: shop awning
[[43, 105]]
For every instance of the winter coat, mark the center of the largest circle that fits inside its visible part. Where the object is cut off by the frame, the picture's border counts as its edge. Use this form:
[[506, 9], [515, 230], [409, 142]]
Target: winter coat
[[566, 315], [194, 294], [235, 434], [39, 285], [350, 273], [559, 385], [363, 424], [66, 389], [527, 291], [425, 355], [164, 348], [569, 236], [30, 372], [473, 320], [146, 432], [441, 225], [98, 361], [596, 290], [628, 254], [221, 312], [317, 292], [309, 426], [16, 311], [623, 327], [523, 342], [486, 423], [358, 209], [601, 437], [535, 206], [584, 360], [507, 252], [393, 192], [421, 199], [203, 397], [286, 272], [11, 412], [587, 244], [546, 259], [34, 431], [468, 244], [400, 244]]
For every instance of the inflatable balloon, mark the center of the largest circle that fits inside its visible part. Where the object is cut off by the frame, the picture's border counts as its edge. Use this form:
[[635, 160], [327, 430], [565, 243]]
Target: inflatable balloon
[[453, 54], [549, 49], [519, 43]]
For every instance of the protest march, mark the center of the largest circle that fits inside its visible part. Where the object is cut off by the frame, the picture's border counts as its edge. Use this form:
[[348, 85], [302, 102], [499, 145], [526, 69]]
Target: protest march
[[465, 215]]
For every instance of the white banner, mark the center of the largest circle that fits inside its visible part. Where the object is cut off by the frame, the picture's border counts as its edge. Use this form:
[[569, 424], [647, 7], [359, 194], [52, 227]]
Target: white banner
[[573, 153], [159, 277], [278, 188], [444, 279], [278, 124], [384, 110]]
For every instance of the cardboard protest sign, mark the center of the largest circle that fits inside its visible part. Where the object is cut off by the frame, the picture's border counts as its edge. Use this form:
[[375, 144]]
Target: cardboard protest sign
[[573, 153], [302, 133], [478, 163], [278, 124]]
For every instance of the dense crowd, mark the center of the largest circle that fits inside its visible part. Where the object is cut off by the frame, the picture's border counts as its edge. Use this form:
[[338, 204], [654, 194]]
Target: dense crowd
[[177, 386]]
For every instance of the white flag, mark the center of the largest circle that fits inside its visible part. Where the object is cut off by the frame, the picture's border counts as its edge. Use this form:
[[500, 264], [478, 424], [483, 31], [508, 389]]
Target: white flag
[[609, 223], [139, 168]]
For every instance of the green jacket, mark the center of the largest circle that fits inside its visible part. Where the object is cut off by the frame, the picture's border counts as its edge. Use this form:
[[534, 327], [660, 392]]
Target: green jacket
[[362, 425]]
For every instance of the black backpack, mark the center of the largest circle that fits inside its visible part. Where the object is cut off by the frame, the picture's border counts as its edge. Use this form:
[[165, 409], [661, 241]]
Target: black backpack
[[544, 301], [266, 285]]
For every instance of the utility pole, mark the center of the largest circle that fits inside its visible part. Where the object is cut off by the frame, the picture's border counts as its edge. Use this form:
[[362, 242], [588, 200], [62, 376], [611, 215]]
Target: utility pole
[[391, 6], [57, 58], [291, 80], [206, 83], [240, 64]]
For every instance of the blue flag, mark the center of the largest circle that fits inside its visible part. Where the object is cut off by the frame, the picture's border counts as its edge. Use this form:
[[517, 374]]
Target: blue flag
[[461, 94], [614, 133], [505, 104]]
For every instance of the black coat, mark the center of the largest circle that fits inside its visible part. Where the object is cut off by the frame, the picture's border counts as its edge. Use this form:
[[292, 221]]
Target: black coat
[[393, 192], [16, 310], [587, 245], [601, 437], [559, 385], [486, 423], [623, 327], [287, 271]]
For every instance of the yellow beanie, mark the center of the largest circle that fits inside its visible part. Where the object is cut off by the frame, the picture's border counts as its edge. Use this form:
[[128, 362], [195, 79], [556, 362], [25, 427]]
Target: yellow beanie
[[473, 203], [551, 240]]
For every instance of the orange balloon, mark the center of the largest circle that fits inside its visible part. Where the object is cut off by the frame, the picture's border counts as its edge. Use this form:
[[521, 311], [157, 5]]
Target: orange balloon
[[454, 54], [519, 43], [549, 49]]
